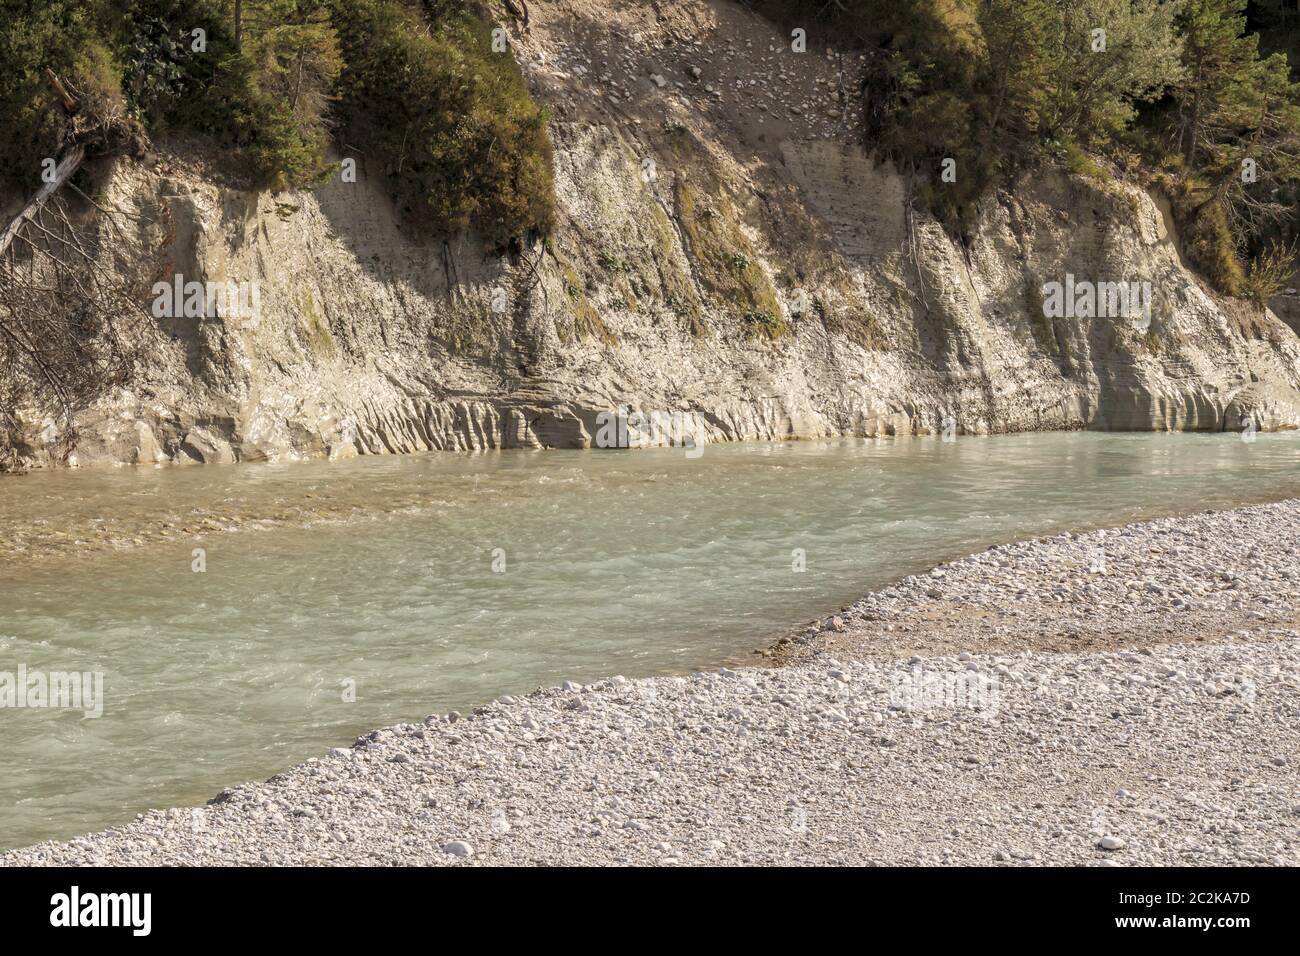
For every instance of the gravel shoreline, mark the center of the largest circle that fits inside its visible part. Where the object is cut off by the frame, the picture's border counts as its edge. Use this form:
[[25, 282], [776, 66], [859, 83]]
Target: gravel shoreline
[[1198, 578], [1130, 696]]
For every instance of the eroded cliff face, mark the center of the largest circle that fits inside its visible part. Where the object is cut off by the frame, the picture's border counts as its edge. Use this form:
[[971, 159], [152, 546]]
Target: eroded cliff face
[[725, 254]]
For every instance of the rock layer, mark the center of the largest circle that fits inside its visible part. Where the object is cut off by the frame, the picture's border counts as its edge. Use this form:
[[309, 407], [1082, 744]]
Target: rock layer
[[724, 252]]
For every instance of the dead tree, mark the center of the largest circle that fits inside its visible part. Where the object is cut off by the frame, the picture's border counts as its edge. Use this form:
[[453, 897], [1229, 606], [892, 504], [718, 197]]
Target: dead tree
[[519, 10], [68, 164], [74, 319]]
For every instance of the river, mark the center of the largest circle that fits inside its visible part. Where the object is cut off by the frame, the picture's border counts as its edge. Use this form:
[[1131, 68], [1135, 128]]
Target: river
[[247, 617]]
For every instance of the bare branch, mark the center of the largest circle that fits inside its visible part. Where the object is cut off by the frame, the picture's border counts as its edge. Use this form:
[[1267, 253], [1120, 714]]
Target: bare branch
[[68, 164]]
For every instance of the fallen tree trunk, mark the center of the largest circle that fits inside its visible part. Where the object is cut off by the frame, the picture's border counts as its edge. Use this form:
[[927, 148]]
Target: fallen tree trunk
[[63, 170], [518, 14], [70, 104]]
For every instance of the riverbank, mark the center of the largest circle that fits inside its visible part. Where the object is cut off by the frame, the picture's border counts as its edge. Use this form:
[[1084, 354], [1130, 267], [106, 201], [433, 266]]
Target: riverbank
[[1195, 578], [1036, 703]]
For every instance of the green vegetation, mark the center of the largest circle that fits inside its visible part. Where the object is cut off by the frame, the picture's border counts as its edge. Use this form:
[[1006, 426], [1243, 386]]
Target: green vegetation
[[462, 140], [765, 323], [611, 263], [1081, 164], [317, 331], [1181, 93], [263, 99], [1207, 240], [584, 321], [417, 86], [726, 260], [65, 36]]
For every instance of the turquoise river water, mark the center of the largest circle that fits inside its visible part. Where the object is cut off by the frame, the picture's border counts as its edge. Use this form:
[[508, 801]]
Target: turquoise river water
[[441, 581]]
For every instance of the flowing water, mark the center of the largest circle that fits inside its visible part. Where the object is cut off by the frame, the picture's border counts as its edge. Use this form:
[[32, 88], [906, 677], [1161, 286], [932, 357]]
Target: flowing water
[[437, 582]]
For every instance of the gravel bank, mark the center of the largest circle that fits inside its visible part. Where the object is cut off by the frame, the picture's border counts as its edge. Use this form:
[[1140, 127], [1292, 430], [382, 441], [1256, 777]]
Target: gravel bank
[[977, 715], [1197, 578]]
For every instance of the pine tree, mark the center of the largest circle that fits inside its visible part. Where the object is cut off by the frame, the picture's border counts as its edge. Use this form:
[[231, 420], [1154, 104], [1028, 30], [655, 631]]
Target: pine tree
[[1015, 36], [1216, 52], [1106, 56], [1239, 123]]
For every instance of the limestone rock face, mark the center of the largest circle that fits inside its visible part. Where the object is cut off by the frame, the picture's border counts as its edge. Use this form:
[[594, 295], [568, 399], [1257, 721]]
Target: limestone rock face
[[727, 260]]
